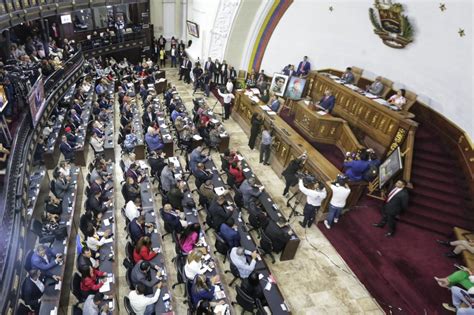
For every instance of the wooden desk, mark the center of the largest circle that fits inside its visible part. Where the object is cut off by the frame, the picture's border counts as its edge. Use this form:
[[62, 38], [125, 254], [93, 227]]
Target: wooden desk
[[325, 128], [288, 144], [378, 122]]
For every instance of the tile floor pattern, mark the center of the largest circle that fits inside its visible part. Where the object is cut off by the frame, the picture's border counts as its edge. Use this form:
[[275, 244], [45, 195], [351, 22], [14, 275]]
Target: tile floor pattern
[[317, 281]]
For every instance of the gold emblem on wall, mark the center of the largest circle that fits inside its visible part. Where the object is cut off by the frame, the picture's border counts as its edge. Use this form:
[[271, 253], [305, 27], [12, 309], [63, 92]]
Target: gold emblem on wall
[[390, 24]]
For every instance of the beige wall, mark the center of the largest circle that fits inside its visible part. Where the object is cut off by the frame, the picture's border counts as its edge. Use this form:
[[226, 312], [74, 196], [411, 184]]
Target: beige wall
[[156, 16]]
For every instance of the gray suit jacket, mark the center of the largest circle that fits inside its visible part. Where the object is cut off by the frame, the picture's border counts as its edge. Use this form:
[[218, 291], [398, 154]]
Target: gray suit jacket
[[376, 88], [61, 187], [139, 277], [248, 192], [167, 179]]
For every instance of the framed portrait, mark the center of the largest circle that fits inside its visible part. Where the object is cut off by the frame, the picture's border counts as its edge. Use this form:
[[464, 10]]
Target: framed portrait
[[295, 88], [193, 28], [279, 83]]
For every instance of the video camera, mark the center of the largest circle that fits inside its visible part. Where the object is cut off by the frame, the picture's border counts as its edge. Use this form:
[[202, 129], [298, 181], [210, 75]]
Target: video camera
[[308, 179]]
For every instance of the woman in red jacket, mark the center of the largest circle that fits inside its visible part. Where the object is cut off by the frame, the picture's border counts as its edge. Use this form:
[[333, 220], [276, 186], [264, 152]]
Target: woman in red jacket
[[236, 171], [90, 283], [143, 250]]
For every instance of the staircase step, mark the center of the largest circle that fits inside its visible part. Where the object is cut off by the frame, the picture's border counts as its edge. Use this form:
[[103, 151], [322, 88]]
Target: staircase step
[[429, 157], [440, 187], [433, 215], [440, 183], [425, 172], [447, 199], [426, 223], [431, 146]]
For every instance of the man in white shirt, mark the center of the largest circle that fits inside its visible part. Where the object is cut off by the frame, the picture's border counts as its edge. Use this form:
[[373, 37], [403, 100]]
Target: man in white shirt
[[237, 256], [97, 143], [314, 196], [132, 209], [340, 192], [141, 304], [91, 305], [229, 86], [227, 98]]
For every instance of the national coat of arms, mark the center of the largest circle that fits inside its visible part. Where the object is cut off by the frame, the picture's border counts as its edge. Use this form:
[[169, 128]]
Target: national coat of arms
[[390, 24]]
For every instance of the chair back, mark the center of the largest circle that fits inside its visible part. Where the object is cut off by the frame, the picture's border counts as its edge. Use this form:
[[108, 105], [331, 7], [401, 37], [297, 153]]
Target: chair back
[[76, 310], [266, 243], [357, 72], [221, 245], [128, 306], [246, 302], [387, 87], [122, 211], [233, 268], [411, 99], [36, 227], [122, 166], [242, 74], [124, 193], [52, 187], [129, 250], [179, 263], [128, 277], [168, 227], [28, 260], [76, 287]]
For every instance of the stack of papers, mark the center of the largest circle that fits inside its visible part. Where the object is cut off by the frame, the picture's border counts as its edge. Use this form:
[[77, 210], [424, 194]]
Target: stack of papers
[[265, 107], [255, 91], [254, 99], [105, 287], [219, 190], [271, 113], [197, 137], [321, 112], [370, 95], [381, 101]]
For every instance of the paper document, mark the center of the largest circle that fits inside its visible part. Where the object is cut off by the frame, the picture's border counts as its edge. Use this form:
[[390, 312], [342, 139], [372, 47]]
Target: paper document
[[370, 95], [321, 112], [108, 240], [219, 190], [265, 107], [106, 222], [271, 113], [105, 287], [255, 91], [246, 169], [197, 137]]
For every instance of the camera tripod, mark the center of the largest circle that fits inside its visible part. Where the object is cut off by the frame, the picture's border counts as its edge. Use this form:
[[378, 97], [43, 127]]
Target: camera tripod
[[297, 196]]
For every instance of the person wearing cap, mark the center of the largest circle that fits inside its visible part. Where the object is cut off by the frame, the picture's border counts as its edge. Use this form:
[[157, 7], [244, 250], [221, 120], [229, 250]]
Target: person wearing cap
[[340, 193], [239, 259], [315, 194], [71, 138], [146, 274]]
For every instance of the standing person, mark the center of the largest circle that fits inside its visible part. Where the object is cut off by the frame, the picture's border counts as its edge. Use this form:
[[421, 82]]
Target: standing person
[[227, 98], [162, 57], [303, 67], [340, 192], [256, 122], [223, 72], [161, 42], [315, 194], [120, 26], [396, 203], [290, 172], [173, 54], [265, 145], [217, 71]]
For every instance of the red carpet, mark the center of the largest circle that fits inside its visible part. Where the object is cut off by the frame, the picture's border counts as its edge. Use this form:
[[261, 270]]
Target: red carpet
[[399, 271]]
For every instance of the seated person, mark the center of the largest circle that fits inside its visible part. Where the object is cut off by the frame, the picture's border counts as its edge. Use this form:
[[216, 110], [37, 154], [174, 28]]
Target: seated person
[[348, 76], [94, 305], [194, 265], [376, 88], [228, 231], [463, 278], [235, 170], [167, 177], [132, 189], [218, 213], [62, 186], [462, 302], [355, 168], [44, 260], [53, 205], [197, 157], [97, 143], [94, 241], [85, 260], [327, 102], [143, 250], [89, 221], [459, 246], [274, 103], [132, 208], [239, 259], [189, 237], [176, 195], [398, 99], [201, 175], [95, 204], [90, 283], [145, 273], [142, 304], [250, 190], [203, 288], [207, 191], [251, 286], [157, 162], [174, 218], [276, 234], [138, 228], [153, 139]]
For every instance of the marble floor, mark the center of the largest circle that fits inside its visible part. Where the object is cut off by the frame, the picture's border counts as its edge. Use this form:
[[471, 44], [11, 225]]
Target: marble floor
[[317, 281]]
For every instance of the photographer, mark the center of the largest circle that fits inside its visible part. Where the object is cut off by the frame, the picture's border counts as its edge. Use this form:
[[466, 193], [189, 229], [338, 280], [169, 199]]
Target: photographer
[[289, 173], [227, 99], [340, 192], [315, 194]]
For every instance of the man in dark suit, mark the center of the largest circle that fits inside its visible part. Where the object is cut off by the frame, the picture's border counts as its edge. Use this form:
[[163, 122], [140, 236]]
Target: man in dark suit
[[144, 273], [32, 290], [396, 203], [209, 65], [185, 70], [327, 102], [138, 227], [172, 217], [95, 204], [201, 175], [229, 233], [149, 117], [85, 260], [303, 67], [276, 234], [218, 212], [66, 149]]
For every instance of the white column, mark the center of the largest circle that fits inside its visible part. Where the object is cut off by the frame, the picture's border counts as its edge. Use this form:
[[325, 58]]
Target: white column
[[169, 9], [184, 15]]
